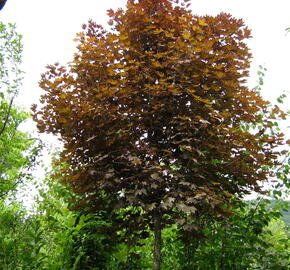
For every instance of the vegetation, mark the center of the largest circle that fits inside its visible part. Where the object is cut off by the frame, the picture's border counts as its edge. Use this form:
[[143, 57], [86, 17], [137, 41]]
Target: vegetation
[[162, 140], [56, 238], [17, 149]]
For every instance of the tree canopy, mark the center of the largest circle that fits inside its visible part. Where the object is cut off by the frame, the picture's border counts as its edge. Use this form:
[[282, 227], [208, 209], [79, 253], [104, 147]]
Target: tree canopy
[[155, 114]]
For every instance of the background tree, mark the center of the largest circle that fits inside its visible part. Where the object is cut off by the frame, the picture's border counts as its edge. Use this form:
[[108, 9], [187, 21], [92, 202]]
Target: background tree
[[155, 118], [17, 149]]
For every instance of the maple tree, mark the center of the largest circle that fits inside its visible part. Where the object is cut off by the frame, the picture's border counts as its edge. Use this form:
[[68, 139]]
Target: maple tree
[[155, 114]]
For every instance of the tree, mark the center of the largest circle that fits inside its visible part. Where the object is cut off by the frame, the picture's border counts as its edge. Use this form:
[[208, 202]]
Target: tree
[[155, 117], [17, 149]]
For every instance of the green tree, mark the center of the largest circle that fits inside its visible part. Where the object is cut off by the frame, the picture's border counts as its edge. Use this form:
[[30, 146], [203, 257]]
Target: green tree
[[155, 118], [17, 149]]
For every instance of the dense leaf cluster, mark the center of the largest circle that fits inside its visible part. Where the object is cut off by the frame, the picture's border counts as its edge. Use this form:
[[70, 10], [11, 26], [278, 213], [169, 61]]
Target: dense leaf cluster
[[154, 113]]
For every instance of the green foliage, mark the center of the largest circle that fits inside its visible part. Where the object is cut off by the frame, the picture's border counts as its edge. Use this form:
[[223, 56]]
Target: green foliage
[[58, 238], [252, 238], [286, 215], [239, 242], [20, 239], [10, 59], [282, 209], [72, 240], [276, 235], [17, 149]]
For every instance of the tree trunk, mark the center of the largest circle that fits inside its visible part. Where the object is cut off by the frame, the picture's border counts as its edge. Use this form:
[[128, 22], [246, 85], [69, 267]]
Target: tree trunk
[[157, 241]]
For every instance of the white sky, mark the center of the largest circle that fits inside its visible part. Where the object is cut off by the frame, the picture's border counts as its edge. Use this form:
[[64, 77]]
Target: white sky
[[49, 27]]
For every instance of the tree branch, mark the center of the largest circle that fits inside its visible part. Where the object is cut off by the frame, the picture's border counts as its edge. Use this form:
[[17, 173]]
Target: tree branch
[[7, 116]]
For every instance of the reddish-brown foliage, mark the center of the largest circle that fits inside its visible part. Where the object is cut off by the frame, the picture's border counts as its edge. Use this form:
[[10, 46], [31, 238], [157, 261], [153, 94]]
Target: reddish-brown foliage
[[153, 113]]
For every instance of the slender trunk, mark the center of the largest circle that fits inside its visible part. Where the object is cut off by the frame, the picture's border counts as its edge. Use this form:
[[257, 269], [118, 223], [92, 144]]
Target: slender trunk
[[157, 241], [224, 239]]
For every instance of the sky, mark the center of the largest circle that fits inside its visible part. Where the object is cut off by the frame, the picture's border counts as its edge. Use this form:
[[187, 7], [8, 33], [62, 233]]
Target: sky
[[49, 27]]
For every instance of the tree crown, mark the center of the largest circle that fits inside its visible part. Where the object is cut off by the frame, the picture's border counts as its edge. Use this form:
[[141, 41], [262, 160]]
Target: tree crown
[[154, 113]]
